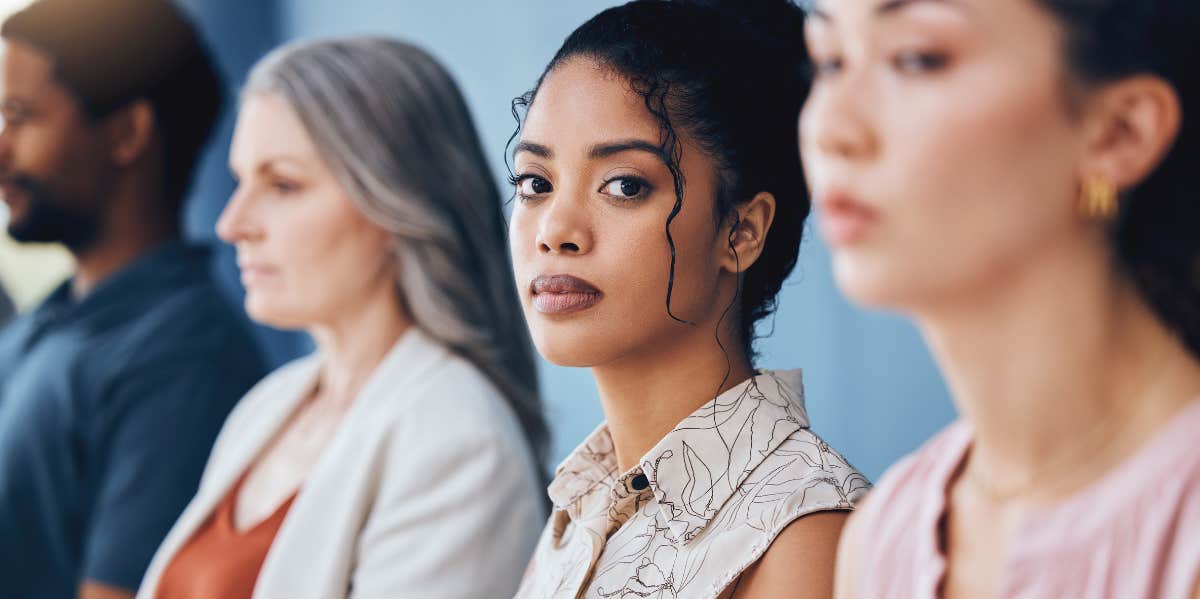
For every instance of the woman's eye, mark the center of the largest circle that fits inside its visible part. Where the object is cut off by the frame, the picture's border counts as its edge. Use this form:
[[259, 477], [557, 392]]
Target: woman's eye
[[284, 187], [920, 62], [624, 187], [532, 185]]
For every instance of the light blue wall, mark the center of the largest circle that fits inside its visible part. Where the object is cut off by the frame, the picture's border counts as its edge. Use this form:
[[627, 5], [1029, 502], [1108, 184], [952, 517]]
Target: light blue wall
[[237, 33], [872, 390]]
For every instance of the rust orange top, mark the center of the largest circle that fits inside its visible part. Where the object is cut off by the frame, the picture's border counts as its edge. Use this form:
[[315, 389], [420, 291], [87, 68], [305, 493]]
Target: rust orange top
[[221, 562]]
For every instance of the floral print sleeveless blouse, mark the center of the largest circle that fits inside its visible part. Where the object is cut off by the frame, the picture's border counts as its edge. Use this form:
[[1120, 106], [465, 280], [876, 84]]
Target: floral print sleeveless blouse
[[698, 509]]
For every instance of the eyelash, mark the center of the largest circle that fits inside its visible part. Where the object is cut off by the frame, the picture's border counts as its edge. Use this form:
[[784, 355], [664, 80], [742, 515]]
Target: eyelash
[[642, 193], [516, 180], [926, 62]]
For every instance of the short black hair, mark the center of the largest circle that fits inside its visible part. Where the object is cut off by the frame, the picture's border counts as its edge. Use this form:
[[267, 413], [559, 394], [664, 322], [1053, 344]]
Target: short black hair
[[110, 53], [1157, 234], [733, 75]]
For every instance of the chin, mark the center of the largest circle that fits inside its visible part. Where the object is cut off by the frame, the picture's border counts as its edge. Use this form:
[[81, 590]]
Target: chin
[[269, 313], [563, 352], [562, 346], [868, 285]]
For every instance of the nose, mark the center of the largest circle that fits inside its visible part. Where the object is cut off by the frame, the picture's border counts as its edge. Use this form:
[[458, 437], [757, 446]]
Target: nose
[[835, 122], [237, 222], [564, 227]]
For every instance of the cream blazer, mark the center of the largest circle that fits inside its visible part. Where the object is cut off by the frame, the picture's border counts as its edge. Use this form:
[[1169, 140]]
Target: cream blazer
[[427, 490]]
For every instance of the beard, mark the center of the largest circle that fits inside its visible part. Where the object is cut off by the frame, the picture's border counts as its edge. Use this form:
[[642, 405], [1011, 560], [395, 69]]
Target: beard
[[49, 219]]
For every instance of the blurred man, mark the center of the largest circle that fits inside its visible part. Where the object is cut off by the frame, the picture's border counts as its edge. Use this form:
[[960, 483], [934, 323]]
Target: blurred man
[[113, 390]]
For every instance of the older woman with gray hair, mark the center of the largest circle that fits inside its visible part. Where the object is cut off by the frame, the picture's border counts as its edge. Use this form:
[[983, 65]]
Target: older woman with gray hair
[[402, 458]]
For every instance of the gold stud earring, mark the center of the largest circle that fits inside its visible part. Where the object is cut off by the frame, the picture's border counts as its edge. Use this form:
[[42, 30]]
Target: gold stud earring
[[1098, 199]]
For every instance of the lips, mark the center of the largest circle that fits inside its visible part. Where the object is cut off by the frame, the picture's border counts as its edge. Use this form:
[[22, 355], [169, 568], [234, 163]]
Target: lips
[[563, 294], [252, 273], [844, 219]]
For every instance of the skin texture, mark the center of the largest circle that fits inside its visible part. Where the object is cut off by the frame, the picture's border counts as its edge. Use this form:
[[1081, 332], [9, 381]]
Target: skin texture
[[571, 216], [309, 260], [96, 183], [960, 127]]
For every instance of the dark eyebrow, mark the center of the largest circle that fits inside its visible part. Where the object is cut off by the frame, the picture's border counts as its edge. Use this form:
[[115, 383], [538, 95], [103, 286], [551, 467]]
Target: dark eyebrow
[[533, 148], [607, 149]]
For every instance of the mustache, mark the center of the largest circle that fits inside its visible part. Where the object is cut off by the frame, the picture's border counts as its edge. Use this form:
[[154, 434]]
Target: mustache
[[26, 184]]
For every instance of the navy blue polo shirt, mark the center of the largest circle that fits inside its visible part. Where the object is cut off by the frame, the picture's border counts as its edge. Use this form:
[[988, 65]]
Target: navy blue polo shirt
[[108, 410]]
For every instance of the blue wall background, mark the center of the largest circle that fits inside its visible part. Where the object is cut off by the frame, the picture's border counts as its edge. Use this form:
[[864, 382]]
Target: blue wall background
[[872, 389]]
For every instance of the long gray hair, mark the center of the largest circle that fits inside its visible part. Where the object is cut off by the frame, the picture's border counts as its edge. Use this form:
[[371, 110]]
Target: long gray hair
[[395, 130]]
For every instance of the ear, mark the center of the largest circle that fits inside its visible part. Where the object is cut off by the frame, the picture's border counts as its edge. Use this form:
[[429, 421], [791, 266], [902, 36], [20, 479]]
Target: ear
[[130, 132], [1134, 123], [745, 233]]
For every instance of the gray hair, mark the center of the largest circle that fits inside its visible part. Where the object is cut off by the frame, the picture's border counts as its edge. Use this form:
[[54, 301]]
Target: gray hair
[[396, 132]]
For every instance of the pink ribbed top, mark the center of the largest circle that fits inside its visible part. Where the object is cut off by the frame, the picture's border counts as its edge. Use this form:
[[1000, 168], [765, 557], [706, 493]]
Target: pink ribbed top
[[1133, 534]]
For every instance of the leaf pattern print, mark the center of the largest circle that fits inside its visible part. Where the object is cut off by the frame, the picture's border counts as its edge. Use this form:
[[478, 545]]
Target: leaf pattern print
[[699, 508]]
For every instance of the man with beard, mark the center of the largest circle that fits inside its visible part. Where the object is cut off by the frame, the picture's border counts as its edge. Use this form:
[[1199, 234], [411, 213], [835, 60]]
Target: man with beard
[[113, 390]]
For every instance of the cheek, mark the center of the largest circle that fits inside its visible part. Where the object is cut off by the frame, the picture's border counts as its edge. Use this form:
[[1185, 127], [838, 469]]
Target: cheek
[[522, 244], [628, 261], [966, 196], [57, 159], [637, 257], [328, 259]]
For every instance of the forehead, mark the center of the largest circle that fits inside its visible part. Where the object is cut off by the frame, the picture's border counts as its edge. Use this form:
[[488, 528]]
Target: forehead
[[28, 72], [981, 15], [268, 127], [581, 102]]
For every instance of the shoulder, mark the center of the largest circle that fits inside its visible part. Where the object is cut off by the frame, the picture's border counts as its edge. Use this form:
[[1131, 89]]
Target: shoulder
[[193, 318], [915, 472], [189, 327], [427, 407], [451, 424], [800, 561], [814, 476], [446, 391]]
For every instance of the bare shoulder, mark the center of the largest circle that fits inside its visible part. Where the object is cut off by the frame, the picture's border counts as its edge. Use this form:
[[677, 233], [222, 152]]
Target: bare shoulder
[[799, 564]]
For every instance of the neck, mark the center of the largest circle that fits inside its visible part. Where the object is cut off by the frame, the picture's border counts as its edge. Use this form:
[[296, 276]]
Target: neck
[[645, 396], [136, 223], [1058, 392], [354, 343]]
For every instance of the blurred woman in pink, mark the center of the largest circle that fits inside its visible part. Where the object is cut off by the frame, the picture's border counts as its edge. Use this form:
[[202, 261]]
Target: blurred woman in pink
[[1018, 177]]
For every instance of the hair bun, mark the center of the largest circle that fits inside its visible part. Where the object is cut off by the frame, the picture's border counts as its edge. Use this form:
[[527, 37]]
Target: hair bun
[[777, 23]]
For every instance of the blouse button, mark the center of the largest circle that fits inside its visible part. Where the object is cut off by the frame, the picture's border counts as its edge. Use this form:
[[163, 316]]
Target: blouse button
[[639, 482]]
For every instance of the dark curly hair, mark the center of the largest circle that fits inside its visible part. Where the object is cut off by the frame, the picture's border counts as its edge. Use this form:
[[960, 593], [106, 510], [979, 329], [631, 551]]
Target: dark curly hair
[[731, 75], [1157, 234]]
